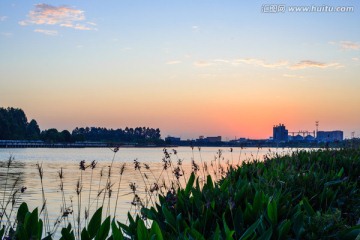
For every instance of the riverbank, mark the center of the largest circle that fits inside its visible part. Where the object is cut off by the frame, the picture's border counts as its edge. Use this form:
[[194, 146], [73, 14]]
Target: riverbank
[[248, 144], [41, 144]]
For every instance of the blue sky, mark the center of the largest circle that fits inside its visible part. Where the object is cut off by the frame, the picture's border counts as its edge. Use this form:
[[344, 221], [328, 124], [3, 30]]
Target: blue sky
[[188, 67]]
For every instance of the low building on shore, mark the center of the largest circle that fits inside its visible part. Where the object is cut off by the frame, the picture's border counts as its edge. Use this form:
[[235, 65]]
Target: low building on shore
[[330, 136]]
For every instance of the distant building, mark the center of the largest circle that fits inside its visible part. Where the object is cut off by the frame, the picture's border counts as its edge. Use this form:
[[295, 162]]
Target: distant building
[[330, 136], [205, 140], [213, 139], [172, 140], [298, 138], [309, 138], [280, 133]]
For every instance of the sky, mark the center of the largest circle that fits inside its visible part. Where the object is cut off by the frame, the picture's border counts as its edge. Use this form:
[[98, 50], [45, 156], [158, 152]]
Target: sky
[[207, 67]]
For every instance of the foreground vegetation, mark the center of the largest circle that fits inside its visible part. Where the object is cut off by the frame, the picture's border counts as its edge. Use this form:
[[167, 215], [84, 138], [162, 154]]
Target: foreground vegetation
[[306, 195]]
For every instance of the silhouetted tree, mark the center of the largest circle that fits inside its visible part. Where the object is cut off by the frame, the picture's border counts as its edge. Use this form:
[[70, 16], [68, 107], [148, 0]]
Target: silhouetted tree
[[32, 130]]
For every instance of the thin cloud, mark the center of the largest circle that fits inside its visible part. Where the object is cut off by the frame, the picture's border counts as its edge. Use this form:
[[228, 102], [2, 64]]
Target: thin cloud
[[6, 34], [260, 62], [3, 18], [273, 65], [355, 59], [202, 63], [313, 64], [173, 62], [234, 62], [293, 76], [348, 45], [64, 16], [47, 32]]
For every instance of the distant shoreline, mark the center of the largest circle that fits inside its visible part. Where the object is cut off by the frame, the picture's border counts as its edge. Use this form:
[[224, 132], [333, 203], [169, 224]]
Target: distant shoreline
[[41, 144]]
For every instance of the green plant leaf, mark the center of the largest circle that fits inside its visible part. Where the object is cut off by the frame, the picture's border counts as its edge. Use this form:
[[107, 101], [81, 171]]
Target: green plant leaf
[[2, 231], [340, 173], [94, 223], [195, 234], [85, 235], [125, 228], [156, 231], [209, 182], [39, 229], [67, 234], [228, 232], [190, 184], [31, 224], [149, 213], [23, 209], [267, 234], [298, 224], [250, 231], [104, 230], [141, 230], [272, 211], [116, 232], [308, 207], [217, 233], [351, 233], [330, 183], [169, 218], [283, 229]]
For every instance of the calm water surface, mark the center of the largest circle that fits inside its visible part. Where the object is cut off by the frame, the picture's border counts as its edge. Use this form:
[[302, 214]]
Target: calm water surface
[[24, 170]]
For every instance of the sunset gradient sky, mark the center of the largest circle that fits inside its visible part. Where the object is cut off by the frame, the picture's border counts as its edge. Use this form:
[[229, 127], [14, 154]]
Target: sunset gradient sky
[[190, 68]]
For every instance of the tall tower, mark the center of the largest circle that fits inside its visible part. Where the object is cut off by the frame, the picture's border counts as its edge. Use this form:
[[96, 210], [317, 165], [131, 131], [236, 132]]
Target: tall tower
[[317, 128]]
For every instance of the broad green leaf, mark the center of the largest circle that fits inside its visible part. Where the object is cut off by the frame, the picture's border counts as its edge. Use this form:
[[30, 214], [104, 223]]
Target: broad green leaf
[[298, 224], [330, 183], [31, 224], [66, 234], [196, 235], [85, 235], [250, 231], [308, 207], [104, 230], [155, 230], [142, 232], [272, 211], [149, 213], [351, 233], [190, 184], [2, 231], [116, 232], [228, 232], [94, 223], [283, 229], [169, 218], [257, 201], [217, 233], [267, 234], [39, 228], [340, 173], [23, 209], [125, 228], [209, 182]]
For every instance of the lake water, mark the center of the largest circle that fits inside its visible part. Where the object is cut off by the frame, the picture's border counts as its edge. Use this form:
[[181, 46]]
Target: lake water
[[23, 172]]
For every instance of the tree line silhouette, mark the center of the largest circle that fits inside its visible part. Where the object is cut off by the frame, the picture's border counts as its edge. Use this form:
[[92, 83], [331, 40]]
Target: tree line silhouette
[[14, 125]]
